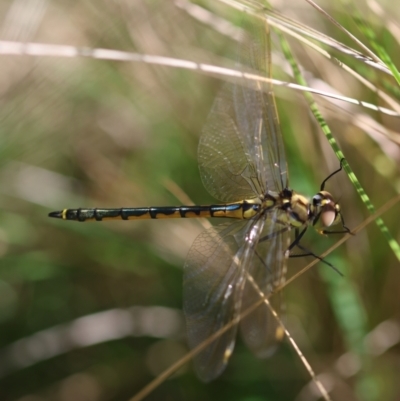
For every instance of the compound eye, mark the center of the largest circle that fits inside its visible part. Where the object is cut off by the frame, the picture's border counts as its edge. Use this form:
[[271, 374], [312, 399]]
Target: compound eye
[[328, 217], [317, 200]]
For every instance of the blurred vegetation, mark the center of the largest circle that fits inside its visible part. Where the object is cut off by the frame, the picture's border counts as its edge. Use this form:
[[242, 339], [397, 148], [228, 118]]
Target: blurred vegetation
[[93, 311]]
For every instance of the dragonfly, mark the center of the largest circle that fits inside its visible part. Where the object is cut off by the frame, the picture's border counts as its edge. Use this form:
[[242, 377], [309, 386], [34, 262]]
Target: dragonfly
[[242, 163]]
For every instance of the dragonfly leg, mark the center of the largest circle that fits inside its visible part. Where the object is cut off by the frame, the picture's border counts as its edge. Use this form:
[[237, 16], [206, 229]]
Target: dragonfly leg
[[296, 242], [307, 252]]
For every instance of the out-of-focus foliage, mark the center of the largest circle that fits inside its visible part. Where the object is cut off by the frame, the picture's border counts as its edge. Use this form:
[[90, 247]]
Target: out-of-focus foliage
[[93, 311]]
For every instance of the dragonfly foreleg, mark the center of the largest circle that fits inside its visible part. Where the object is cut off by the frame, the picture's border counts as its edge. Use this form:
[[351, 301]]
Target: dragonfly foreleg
[[307, 252]]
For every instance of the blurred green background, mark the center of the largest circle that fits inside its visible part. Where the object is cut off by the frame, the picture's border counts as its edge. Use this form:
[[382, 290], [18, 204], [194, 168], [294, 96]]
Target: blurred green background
[[93, 311]]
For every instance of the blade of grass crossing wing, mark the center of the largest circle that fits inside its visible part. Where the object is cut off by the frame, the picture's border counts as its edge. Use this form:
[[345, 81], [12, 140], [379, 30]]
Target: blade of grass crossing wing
[[324, 126]]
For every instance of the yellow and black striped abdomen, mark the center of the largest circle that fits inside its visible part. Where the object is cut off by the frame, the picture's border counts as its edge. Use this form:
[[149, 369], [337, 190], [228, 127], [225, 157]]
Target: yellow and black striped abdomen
[[237, 210]]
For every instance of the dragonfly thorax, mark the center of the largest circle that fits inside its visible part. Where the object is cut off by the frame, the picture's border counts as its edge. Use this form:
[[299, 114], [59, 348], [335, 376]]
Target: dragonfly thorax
[[297, 207]]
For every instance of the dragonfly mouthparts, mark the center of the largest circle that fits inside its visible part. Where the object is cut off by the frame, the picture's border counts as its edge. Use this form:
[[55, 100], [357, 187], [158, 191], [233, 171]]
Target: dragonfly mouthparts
[[57, 215]]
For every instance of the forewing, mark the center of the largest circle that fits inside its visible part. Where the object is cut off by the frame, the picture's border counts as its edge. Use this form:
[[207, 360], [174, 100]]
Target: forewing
[[241, 153], [255, 108], [214, 279], [227, 167], [260, 330]]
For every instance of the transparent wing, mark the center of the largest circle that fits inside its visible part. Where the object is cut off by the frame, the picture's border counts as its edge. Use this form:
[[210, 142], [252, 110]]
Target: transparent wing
[[260, 330], [241, 153], [255, 102], [227, 167], [217, 288], [214, 278]]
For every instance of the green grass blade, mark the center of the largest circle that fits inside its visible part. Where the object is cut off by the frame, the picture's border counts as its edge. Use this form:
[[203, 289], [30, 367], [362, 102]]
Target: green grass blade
[[380, 50]]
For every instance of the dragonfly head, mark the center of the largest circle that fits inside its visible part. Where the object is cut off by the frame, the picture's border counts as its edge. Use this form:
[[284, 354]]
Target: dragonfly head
[[325, 210]]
